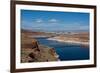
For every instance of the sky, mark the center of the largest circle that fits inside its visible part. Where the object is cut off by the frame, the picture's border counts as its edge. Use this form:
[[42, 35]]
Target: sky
[[54, 21]]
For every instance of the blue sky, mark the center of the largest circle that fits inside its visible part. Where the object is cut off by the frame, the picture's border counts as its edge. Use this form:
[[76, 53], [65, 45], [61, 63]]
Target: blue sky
[[54, 21]]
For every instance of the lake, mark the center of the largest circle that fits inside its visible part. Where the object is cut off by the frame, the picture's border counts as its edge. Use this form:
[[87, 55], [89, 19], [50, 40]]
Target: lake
[[67, 51]]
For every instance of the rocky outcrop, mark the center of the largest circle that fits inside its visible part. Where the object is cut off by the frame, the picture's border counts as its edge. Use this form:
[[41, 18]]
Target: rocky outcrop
[[39, 53]]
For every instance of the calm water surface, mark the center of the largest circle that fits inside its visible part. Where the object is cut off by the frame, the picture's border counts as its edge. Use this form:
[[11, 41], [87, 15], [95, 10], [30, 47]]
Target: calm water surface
[[67, 51]]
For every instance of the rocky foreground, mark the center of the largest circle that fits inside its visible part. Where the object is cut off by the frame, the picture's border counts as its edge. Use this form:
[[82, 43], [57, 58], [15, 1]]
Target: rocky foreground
[[32, 51]]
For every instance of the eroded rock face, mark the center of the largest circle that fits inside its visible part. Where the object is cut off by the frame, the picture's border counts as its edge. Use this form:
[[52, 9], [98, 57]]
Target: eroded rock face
[[32, 51], [34, 44], [39, 53], [32, 55], [52, 51]]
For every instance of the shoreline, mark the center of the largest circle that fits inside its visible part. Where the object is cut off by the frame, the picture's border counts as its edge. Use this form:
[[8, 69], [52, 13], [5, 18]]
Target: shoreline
[[69, 41]]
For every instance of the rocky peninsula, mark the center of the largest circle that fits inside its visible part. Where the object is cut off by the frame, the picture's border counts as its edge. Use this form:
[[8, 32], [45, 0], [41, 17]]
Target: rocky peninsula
[[32, 51], [69, 40]]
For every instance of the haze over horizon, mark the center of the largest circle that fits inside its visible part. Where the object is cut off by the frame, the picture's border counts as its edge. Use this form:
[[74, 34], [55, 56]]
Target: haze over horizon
[[52, 21]]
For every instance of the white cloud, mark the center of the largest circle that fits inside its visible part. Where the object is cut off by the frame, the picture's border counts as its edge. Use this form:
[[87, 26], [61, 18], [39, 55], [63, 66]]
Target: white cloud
[[39, 20], [53, 20]]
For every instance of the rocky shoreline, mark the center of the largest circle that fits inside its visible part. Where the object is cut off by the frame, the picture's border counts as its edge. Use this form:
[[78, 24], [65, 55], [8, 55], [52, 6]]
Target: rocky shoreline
[[69, 41], [33, 51], [38, 53]]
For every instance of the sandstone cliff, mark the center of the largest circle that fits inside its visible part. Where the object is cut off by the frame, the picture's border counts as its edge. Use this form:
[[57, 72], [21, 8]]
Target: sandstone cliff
[[32, 51]]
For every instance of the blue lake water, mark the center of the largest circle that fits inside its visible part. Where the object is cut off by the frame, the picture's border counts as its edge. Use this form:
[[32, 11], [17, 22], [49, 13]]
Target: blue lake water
[[67, 51]]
